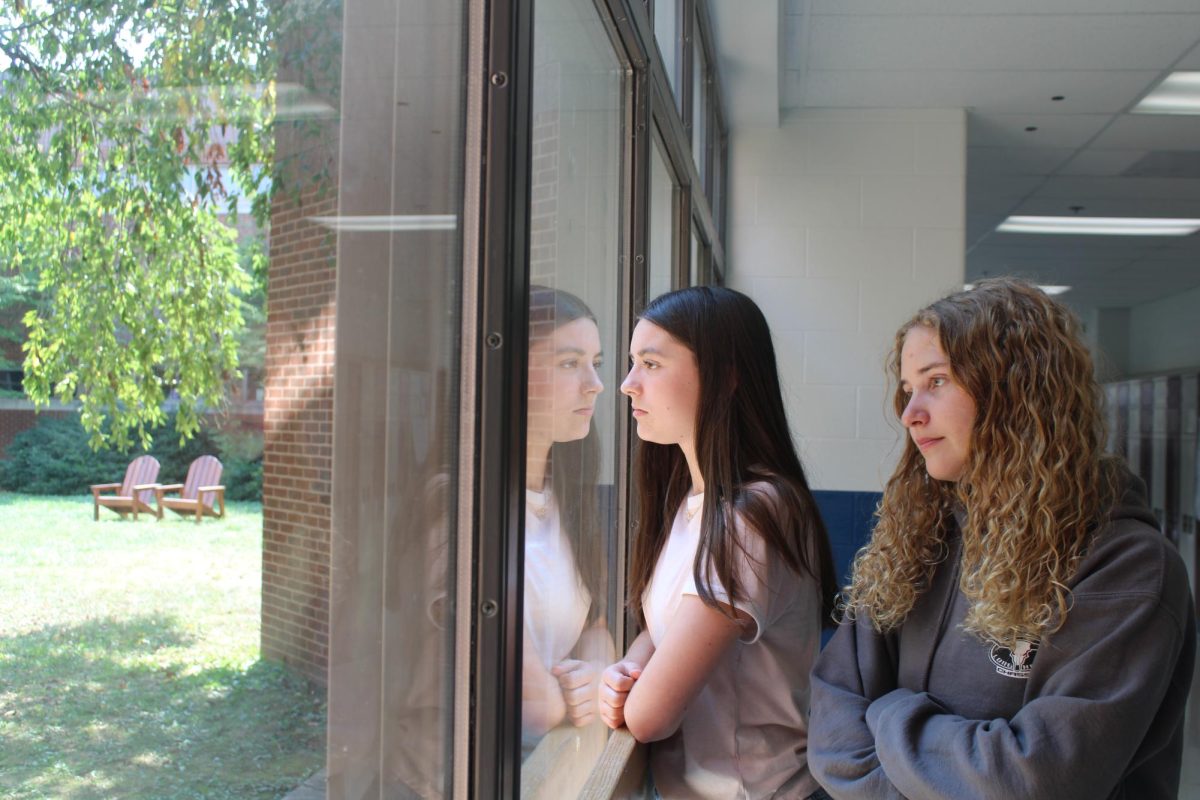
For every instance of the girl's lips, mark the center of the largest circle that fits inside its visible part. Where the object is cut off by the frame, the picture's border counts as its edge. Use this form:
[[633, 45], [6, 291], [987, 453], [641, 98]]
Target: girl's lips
[[584, 412], [927, 442], [637, 412]]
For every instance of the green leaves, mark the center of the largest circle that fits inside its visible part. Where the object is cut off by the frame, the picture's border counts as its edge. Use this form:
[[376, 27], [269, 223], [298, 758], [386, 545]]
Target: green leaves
[[132, 129]]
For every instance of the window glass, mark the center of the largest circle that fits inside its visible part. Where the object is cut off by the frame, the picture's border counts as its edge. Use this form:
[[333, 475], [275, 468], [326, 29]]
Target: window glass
[[399, 260], [700, 117], [666, 33], [574, 363], [660, 233], [718, 183], [205, 201], [694, 276]]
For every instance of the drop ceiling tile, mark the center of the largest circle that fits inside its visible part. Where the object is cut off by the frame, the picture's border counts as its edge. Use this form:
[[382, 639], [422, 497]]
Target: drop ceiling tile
[[1015, 160], [1151, 132], [1023, 42], [1119, 188], [1191, 61], [989, 7], [1110, 206], [1052, 130], [1149, 278], [1005, 185], [1095, 161], [1065, 248], [999, 193], [999, 91], [979, 226]]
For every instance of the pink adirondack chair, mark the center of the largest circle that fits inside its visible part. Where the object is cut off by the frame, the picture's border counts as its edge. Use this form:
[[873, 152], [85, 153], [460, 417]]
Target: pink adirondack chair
[[134, 493], [197, 494]]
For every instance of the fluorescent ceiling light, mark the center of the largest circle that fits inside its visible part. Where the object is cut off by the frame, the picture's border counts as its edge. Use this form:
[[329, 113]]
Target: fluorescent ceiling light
[[1101, 226], [1049, 289], [1179, 93], [404, 222]]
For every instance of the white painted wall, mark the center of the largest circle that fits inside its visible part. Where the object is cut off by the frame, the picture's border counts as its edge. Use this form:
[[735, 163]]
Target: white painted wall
[[842, 223], [1164, 335]]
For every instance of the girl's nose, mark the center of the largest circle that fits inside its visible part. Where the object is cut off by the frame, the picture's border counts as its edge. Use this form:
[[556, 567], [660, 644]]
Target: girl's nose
[[914, 413], [629, 385], [592, 383]]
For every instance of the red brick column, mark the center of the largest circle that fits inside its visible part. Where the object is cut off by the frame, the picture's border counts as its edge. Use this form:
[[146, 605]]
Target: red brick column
[[298, 433]]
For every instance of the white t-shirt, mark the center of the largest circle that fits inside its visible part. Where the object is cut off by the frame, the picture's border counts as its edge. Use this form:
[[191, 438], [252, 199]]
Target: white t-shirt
[[746, 733], [556, 600]]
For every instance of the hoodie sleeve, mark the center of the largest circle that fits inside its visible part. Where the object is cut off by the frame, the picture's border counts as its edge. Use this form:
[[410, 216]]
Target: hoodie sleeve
[[856, 667], [1095, 695]]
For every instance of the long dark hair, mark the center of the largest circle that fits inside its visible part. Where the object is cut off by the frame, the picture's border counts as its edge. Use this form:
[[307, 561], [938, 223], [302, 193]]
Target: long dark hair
[[574, 466], [743, 443]]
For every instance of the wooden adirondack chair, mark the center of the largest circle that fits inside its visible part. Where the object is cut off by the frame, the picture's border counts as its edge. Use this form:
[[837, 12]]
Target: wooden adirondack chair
[[198, 493], [134, 493]]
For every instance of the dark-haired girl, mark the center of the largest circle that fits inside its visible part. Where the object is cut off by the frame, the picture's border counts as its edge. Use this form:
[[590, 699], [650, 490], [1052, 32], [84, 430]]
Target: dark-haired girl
[[1017, 626], [564, 643], [731, 574]]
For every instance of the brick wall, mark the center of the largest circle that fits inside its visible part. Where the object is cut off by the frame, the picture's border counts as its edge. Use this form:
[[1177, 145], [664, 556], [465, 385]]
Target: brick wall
[[15, 420], [298, 434]]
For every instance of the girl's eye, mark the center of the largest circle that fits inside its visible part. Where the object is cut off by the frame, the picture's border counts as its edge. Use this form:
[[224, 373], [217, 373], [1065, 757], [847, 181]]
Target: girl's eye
[[938, 381], [650, 364], [570, 364], [598, 363]]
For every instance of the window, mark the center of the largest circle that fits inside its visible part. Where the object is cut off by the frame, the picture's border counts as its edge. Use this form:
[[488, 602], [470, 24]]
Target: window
[[661, 231], [575, 365], [397, 214], [701, 121], [439, 199], [667, 35], [719, 192], [695, 263]]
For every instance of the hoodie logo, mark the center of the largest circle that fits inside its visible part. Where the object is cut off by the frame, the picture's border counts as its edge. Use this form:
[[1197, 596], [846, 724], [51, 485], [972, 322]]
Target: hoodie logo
[[1017, 662]]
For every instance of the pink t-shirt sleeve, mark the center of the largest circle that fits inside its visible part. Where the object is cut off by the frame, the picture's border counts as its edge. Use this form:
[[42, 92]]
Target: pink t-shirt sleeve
[[752, 569]]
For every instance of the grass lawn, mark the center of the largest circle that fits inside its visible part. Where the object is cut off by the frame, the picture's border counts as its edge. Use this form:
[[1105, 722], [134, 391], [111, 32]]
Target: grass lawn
[[129, 659]]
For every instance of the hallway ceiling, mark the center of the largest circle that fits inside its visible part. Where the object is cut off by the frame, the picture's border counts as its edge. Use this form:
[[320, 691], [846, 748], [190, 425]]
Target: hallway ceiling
[[1005, 63]]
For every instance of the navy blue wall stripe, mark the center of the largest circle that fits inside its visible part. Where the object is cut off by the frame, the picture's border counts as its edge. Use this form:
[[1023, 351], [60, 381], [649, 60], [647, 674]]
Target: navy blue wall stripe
[[849, 518]]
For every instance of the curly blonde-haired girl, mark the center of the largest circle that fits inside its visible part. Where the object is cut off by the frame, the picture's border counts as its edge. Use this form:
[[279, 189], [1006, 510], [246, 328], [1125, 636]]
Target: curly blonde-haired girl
[[1016, 626], [1038, 425]]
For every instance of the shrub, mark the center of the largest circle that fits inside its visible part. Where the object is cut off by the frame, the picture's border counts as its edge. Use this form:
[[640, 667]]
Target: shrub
[[53, 457], [242, 452]]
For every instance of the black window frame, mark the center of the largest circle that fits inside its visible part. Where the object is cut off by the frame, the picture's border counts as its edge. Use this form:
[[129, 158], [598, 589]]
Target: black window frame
[[500, 324]]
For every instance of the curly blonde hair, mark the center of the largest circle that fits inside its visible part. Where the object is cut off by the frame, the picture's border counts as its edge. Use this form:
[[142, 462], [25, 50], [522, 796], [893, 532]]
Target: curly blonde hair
[[1036, 482]]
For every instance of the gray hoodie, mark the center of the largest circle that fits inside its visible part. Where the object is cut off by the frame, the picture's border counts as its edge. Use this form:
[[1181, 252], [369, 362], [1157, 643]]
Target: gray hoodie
[[1093, 711]]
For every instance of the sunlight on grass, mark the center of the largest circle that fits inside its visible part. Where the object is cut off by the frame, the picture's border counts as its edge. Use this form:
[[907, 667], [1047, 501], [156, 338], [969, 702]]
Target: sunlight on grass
[[129, 660]]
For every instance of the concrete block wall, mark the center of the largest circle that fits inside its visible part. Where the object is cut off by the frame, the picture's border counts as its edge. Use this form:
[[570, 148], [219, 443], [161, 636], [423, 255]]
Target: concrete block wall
[[841, 225]]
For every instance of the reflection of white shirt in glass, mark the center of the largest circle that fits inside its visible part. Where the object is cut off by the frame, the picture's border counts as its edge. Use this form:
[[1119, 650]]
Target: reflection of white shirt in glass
[[556, 600], [746, 733]]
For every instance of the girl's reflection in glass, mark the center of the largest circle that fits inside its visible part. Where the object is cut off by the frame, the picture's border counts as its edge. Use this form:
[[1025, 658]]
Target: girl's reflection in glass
[[565, 642]]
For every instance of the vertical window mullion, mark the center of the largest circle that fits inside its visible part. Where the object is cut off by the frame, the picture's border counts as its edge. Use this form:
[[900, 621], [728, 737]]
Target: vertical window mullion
[[496, 683]]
